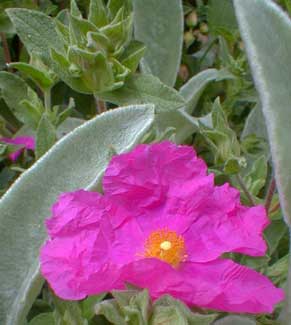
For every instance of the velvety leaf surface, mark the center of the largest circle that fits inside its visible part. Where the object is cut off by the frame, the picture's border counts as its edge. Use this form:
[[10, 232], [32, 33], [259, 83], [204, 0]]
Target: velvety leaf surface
[[74, 162], [141, 89], [269, 57], [159, 25], [36, 30]]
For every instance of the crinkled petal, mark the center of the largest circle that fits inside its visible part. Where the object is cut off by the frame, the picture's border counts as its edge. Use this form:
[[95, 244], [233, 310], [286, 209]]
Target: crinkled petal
[[72, 265], [225, 285], [220, 285], [223, 225], [141, 178], [75, 211]]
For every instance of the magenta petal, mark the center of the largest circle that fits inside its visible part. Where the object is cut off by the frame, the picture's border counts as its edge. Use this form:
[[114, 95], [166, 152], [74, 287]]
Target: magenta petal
[[219, 285], [13, 156], [227, 286], [141, 178], [158, 277], [224, 225], [74, 211], [72, 265], [26, 142]]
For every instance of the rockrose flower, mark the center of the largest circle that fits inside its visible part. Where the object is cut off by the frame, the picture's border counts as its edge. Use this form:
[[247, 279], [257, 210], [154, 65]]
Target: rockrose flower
[[22, 142], [161, 224]]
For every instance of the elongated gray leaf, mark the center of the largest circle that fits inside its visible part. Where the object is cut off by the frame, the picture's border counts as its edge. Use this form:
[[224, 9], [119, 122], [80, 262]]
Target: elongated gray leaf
[[268, 45], [74, 162], [159, 25], [194, 88], [36, 30]]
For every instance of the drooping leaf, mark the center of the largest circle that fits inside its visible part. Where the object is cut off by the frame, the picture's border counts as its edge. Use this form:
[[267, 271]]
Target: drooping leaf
[[159, 25], [15, 91], [141, 89], [76, 161], [194, 88], [40, 77]]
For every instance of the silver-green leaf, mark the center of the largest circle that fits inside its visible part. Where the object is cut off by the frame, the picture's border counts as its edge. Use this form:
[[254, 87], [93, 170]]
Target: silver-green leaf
[[37, 32], [159, 25], [74, 162], [194, 88], [269, 57]]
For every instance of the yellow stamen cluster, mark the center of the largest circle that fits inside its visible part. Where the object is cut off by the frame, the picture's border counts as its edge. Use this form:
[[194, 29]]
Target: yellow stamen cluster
[[167, 246]]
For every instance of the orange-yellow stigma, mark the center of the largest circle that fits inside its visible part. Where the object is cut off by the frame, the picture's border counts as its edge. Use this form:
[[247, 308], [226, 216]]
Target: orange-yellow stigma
[[167, 246]]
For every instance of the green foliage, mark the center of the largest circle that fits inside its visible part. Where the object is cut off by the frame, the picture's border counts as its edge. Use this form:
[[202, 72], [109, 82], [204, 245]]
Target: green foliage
[[194, 88], [37, 32], [131, 307], [21, 99], [237, 320]]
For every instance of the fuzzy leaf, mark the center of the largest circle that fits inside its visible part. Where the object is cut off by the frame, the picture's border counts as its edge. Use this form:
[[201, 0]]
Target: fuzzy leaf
[[141, 89], [269, 57], [76, 161], [15, 91], [45, 136], [194, 88], [37, 32], [159, 25], [40, 77]]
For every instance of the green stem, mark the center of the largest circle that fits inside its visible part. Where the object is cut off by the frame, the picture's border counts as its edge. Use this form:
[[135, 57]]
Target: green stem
[[245, 190], [47, 99], [270, 193]]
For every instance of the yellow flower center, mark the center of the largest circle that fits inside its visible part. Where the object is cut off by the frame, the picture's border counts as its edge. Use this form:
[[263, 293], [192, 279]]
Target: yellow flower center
[[167, 246]]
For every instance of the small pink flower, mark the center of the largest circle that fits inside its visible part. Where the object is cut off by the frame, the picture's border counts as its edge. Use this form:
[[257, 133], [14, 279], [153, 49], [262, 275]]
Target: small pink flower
[[162, 224], [23, 142]]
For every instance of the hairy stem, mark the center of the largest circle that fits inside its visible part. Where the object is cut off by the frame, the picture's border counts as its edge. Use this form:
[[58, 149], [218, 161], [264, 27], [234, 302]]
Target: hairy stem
[[270, 193], [245, 190]]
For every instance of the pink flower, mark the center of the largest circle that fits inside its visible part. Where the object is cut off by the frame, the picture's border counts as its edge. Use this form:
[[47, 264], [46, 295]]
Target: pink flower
[[23, 142], [162, 224]]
